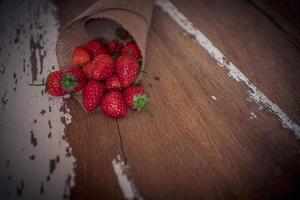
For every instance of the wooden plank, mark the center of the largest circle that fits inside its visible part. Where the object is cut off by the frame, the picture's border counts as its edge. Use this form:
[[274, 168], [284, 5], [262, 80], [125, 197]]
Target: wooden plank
[[254, 93], [284, 15], [95, 143], [256, 46], [34, 163]]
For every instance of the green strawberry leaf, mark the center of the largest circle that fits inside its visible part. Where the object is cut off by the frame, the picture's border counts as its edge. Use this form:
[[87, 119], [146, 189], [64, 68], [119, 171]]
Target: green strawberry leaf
[[140, 102], [69, 82]]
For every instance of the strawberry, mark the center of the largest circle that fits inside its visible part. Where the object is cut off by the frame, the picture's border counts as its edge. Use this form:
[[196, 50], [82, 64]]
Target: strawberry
[[92, 94], [136, 98], [95, 48], [87, 69], [54, 84], [80, 56], [127, 69], [113, 105], [132, 49], [114, 47], [113, 83], [102, 67], [74, 79]]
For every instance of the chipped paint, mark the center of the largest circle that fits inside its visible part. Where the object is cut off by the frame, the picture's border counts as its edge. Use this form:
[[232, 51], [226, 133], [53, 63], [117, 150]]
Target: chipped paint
[[125, 181], [214, 98], [252, 115], [254, 94], [35, 160]]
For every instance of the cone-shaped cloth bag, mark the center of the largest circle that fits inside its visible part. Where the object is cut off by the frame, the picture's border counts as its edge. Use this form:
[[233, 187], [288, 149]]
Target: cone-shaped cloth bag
[[100, 21]]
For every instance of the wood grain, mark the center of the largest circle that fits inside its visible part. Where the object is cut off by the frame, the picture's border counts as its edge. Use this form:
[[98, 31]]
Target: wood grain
[[256, 46], [196, 147], [288, 9], [285, 14], [95, 143]]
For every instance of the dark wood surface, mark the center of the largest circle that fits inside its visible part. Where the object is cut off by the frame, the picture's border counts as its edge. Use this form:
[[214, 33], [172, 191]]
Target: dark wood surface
[[195, 147], [288, 9]]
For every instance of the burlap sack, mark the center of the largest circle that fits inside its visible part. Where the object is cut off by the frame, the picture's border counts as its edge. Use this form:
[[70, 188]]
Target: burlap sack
[[100, 21]]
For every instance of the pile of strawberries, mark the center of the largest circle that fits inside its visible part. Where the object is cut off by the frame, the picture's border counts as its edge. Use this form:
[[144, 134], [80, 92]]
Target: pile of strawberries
[[105, 73]]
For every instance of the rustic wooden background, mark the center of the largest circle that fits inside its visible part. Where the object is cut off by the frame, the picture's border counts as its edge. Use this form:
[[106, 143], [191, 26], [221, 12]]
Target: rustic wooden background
[[195, 146], [207, 139]]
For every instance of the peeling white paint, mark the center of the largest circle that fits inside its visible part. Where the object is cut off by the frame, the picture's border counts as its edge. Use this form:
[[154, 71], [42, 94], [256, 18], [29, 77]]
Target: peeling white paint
[[254, 94], [252, 115], [125, 181], [36, 160], [214, 98]]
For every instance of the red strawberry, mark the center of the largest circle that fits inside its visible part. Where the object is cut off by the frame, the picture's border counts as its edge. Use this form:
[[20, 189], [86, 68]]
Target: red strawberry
[[80, 56], [127, 69], [132, 49], [92, 94], [87, 69], [96, 48], [54, 84], [136, 98], [113, 83], [114, 47], [74, 79], [102, 67], [113, 105]]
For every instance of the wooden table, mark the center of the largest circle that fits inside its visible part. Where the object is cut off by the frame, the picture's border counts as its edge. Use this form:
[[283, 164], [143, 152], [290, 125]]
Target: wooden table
[[209, 138]]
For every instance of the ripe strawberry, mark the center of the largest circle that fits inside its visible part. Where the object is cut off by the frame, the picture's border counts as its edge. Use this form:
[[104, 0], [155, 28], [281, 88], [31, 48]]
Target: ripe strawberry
[[80, 56], [87, 69], [102, 67], [132, 49], [74, 79], [113, 105], [127, 69], [54, 84], [113, 83], [95, 48], [136, 98], [114, 47], [92, 94]]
